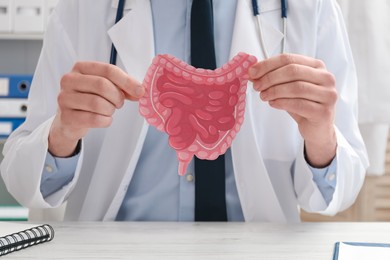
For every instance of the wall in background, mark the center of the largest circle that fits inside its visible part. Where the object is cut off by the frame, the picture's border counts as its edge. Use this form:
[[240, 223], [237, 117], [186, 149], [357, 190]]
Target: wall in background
[[19, 56], [5, 198]]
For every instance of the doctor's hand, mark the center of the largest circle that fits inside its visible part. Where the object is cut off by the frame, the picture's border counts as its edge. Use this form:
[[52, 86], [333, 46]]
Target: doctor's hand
[[88, 98], [304, 88]]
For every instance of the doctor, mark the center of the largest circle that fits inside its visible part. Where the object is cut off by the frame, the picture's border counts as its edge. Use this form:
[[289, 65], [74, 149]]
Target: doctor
[[85, 143]]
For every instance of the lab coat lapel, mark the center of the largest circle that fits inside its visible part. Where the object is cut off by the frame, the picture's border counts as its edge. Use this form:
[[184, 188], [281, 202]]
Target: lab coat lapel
[[133, 39], [258, 198], [246, 35]]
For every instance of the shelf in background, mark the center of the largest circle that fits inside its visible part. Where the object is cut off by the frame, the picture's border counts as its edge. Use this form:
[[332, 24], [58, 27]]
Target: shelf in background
[[13, 213], [21, 36]]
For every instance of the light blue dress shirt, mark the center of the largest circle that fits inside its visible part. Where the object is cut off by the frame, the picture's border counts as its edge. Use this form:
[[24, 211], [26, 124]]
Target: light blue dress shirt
[[156, 191]]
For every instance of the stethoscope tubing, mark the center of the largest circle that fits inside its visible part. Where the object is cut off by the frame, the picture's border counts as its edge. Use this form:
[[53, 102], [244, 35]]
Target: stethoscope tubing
[[256, 9], [256, 13]]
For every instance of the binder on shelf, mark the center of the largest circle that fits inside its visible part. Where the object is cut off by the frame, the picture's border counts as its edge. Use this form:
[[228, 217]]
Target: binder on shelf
[[6, 16], [28, 16], [13, 108], [8, 125], [15, 86], [13, 102]]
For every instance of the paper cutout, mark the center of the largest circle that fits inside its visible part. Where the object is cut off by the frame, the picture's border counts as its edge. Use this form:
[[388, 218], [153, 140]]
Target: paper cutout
[[201, 110]]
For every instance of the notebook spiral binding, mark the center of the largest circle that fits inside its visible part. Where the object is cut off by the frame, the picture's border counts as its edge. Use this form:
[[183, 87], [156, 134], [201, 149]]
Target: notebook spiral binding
[[26, 238]]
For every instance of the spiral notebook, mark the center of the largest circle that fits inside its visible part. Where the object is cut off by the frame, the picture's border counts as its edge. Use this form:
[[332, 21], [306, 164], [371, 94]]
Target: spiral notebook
[[18, 236]]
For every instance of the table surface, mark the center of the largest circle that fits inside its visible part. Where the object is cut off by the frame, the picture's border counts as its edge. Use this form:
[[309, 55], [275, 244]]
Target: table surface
[[169, 240]]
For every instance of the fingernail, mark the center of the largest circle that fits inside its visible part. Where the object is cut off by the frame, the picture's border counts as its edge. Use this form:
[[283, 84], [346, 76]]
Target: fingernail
[[252, 72], [140, 91], [264, 95]]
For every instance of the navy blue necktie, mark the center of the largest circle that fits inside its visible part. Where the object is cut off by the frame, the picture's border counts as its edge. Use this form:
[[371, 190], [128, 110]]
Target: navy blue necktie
[[210, 200]]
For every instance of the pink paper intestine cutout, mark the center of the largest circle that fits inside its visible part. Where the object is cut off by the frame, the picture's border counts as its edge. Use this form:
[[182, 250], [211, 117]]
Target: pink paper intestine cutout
[[201, 110]]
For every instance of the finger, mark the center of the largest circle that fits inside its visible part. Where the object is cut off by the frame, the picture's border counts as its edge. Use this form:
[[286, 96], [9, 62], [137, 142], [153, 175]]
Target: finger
[[305, 108], [86, 102], [94, 85], [263, 67], [130, 86], [291, 73], [84, 120], [300, 90]]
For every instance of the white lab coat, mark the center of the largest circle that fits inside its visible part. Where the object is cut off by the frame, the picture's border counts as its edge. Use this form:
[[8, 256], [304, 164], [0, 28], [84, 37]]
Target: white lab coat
[[368, 23], [273, 179]]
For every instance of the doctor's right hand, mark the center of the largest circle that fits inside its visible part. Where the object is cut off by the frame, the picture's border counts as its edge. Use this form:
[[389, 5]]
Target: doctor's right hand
[[88, 98]]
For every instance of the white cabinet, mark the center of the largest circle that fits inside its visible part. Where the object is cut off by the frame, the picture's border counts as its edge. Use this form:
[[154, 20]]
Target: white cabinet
[[5, 16], [28, 16], [24, 19]]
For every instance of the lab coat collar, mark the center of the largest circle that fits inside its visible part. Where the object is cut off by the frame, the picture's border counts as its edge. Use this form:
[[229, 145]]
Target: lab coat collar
[[133, 37], [256, 195]]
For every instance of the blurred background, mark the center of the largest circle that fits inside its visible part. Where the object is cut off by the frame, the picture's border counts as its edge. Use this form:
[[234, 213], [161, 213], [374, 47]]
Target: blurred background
[[368, 23], [22, 24]]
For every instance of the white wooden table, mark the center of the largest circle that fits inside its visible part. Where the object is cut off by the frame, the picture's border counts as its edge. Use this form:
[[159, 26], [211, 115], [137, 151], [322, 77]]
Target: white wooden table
[[143, 240]]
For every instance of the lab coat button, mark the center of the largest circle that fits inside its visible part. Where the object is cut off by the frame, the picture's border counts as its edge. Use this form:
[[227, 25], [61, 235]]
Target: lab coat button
[[190, 178], [331, 177], [49, 169]]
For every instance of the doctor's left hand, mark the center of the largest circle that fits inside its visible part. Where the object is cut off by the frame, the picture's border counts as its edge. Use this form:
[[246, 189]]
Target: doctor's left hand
[[304, 88]]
